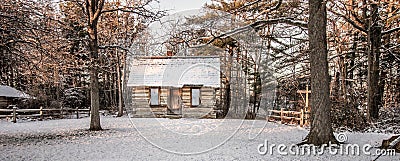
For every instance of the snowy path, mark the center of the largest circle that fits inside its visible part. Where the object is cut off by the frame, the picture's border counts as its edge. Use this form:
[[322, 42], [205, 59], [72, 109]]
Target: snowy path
[[161, 139]]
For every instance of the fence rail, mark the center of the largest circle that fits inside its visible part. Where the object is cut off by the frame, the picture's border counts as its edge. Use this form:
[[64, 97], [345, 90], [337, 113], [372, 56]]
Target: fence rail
[[15, 113], [300, 117]]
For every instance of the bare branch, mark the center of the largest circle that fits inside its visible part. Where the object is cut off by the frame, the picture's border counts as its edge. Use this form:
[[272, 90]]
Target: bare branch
[[114, 47], [390, 51], [99, 9], [139, 10], [255, 26], [279, 3], [248, 5], [290, 21], [391, 30], [354, 24]]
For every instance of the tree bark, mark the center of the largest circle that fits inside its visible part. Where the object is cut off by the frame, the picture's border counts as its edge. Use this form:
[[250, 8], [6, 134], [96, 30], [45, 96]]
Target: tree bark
[[93, 11], [94, 82], [120, 107], [321, 128], [227, 100], [94, 100], [373, 65]]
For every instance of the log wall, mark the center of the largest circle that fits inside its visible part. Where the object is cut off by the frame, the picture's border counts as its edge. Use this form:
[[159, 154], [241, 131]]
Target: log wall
[[141, 97]]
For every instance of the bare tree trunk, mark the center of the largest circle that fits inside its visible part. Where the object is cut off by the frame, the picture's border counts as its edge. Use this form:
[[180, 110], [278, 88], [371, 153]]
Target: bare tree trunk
[[352, 58], [343, 77], [114, 91], [373, 65], [94, 82], [120, 108], [321, 128], [227, 100], [94, 100]]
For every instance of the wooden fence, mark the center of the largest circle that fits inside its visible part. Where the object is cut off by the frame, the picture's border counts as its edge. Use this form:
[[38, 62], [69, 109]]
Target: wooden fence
[[41, 113], [301, 117]]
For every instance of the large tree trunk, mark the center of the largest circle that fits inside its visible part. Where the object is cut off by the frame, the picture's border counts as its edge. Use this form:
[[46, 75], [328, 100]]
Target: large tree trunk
[[94, 82], [321, 128], [94, 100], [373, 65], [93, 10]]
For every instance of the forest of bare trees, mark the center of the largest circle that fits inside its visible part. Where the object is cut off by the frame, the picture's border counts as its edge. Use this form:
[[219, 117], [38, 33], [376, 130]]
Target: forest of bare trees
[[70, 53], [363, 48]]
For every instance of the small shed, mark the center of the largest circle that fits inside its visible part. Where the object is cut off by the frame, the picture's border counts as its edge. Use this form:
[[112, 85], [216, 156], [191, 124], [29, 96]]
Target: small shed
[[9, 94], [171, 85]]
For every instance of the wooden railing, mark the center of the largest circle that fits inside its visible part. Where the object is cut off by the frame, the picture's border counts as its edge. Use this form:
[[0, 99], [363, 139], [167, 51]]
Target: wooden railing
[[299, 117], [15, 113]]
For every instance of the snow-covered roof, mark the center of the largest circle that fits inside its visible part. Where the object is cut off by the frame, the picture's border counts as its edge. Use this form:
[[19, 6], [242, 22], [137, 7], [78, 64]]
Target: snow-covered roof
[[7, 91], [175, 71]]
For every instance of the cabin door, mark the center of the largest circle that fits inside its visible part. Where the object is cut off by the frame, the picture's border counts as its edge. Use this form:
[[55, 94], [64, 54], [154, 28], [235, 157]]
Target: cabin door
[[174, 102]]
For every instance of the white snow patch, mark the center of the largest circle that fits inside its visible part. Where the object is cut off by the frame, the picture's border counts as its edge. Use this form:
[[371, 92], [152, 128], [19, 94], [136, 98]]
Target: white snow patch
[[151, 140]]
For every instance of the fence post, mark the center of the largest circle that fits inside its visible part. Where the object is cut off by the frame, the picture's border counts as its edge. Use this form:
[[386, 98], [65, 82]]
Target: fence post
[[41, 113], [14, 114], [77, 113], [281, 115], [307, 92], [306, 116], [61, 113], [301, 118]]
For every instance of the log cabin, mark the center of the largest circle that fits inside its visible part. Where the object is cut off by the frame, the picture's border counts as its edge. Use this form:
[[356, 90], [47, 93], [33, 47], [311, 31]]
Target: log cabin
[[9, 96], [174, 86]]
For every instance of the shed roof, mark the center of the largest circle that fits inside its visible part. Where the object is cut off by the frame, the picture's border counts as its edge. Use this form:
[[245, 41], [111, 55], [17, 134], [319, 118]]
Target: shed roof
[[7, 91], [175, 71]]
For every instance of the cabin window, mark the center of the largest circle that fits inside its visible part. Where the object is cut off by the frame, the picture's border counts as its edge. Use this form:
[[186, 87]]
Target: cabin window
[[154, 96], [195, 96]]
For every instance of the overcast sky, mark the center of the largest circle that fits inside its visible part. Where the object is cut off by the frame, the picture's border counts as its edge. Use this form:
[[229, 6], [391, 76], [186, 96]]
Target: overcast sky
[[181, 5]]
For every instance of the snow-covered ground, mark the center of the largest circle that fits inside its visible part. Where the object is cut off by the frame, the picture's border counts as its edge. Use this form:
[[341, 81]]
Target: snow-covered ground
[[165, 139]]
